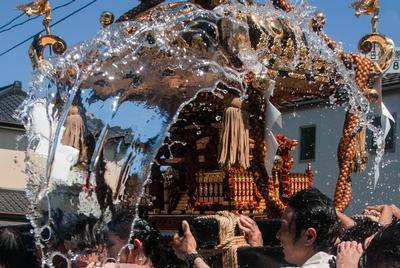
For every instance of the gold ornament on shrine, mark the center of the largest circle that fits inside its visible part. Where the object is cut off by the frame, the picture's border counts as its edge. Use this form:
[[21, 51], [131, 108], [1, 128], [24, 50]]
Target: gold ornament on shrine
[[36, 50], [106, 18], [40, 7]]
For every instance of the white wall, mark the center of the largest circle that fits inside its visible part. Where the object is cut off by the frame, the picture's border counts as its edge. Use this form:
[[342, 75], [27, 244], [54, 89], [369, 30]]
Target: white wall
[[12, 173], [12, 157], [329, 123]]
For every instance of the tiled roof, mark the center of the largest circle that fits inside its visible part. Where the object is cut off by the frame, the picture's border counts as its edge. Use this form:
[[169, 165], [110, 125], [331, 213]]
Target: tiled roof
[[13, 202], [391, 79], [11, 97]]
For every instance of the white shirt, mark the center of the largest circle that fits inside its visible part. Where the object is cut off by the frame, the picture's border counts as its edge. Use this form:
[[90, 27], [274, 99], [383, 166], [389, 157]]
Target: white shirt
[[320, 260]]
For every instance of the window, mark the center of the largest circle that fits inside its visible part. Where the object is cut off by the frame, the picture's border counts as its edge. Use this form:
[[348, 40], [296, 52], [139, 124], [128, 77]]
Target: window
[[307, 143], [390, 140]]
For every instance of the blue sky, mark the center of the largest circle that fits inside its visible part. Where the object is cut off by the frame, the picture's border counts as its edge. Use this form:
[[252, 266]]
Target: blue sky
[[342, 25]]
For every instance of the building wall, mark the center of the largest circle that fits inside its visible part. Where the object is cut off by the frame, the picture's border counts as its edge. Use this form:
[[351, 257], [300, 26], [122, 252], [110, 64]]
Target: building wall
[[12, 156], [329, 123], [12, 173], [9, 139]]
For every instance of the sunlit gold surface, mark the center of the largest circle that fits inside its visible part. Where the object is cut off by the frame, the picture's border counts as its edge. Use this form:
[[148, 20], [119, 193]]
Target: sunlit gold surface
[[40, 7], [368, 7], [36, 50], [387, 50], [373, 95], [106, 18], [318, 21]]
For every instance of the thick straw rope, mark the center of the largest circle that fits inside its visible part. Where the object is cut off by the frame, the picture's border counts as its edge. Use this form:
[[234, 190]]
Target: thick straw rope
[[229, 243], [229, 250]]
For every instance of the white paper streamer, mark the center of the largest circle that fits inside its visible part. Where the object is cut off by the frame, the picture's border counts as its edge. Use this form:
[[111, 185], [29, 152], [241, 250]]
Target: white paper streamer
[[386, 117], [273, 115]]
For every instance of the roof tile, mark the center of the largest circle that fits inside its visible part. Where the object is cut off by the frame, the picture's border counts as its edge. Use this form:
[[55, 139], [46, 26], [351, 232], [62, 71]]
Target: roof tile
[[13, 202], [391, 79], [11, 97]]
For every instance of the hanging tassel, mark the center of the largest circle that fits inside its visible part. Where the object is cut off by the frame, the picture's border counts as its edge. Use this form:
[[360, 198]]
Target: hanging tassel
[[360, 158], [235, 143], [74, 131]]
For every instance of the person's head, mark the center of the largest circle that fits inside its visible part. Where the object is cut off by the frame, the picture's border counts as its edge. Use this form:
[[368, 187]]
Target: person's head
[[309, 224], [384, 249], [118, 236], [360, 231], [13, 252], [144, 237], [11, 247]]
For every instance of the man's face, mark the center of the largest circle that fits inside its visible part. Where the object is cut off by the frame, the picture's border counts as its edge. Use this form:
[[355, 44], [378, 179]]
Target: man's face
[[294, 250]]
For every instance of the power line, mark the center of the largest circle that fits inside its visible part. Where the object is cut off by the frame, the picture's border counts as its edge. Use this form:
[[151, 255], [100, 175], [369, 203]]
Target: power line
[[11, 21], [29, 19], [54, 24], [19, 24], [73, 13]]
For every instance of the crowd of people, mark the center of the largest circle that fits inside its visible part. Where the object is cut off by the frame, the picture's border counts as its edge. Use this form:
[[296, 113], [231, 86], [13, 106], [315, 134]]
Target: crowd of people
[[312, 234]]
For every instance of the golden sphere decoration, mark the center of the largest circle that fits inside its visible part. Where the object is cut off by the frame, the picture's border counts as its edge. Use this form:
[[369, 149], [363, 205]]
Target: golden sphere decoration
[[373, 95], [106, 18], [318, 21], [278, 162], [260, 82]]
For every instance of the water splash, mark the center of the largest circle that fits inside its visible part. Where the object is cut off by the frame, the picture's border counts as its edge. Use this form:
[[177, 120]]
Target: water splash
[[148, 70]]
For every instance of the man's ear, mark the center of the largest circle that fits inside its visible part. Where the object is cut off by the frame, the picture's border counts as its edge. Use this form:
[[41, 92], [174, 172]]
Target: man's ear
[[310, 236]]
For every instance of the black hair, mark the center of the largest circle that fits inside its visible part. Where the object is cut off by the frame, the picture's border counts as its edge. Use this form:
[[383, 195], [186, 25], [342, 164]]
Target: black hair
[[13, 252], [363, 229], [71, 226], [143, 230], [313, 209], [121, 224], [149, 236], [384, 249]]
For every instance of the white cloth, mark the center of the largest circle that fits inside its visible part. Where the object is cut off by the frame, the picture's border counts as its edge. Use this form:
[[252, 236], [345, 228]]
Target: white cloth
[[273, 116], [65, 156], [319, 260]]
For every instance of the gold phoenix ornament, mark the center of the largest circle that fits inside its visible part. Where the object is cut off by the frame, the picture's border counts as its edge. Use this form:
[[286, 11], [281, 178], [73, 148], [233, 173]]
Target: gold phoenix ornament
[[36, 50], [368, 7], [40, 7]]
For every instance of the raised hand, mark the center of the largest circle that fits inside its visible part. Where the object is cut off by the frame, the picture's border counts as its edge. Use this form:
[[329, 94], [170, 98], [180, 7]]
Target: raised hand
[[250, 228], [186, 244], [349, 254]]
